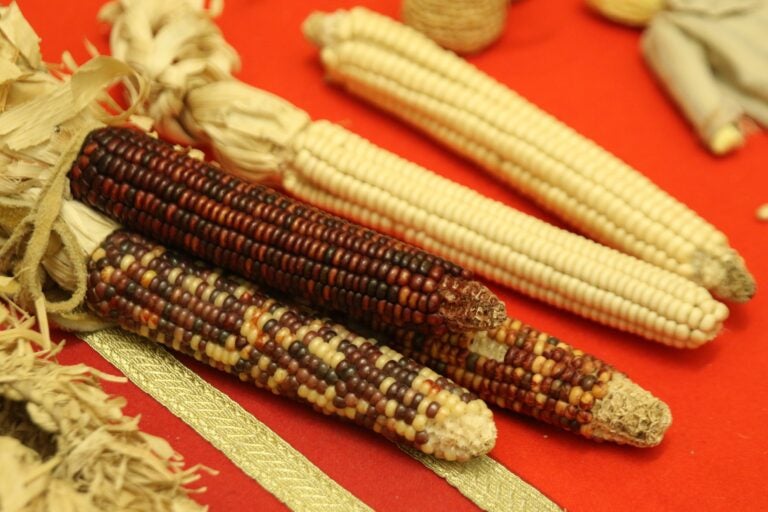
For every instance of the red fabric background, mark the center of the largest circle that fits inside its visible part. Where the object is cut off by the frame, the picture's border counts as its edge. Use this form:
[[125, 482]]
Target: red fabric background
[[589, 73]]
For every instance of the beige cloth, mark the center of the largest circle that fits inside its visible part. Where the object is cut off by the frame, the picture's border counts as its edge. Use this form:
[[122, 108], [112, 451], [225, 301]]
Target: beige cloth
[[712, 56]]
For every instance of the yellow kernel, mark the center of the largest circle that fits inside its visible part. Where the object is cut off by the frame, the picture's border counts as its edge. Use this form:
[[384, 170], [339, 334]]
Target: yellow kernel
[[98, 254], [283, 337], [546, 370], [336, 358], [106, 273], [126, 262], [385, 384], [390, 409], [314, 344], [575, 395], [173, 275], [598, 390], [442, 396], [419, 422], [587, 398]]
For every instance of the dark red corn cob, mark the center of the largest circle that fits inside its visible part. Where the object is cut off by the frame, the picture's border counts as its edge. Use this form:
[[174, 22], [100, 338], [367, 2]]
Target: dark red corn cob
[[228, 324], [254, 231]]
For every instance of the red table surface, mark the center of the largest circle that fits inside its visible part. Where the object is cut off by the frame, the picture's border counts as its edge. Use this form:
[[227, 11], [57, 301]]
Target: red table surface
[[590, 74]]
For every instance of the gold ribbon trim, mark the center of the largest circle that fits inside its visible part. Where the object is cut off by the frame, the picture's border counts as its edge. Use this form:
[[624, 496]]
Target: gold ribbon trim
[[267, 458], [251, 445], [488, 484]]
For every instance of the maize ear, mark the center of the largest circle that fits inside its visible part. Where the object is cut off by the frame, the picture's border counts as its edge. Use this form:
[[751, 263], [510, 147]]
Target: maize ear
[[405, 73], [231, 326], [148, 186], [517, 367]]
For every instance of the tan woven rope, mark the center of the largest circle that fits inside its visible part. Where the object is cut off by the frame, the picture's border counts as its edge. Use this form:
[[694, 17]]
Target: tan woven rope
[[464, 26]]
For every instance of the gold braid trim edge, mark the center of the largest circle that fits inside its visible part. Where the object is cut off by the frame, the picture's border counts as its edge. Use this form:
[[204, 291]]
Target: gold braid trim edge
[[488, 484], [247, 442]]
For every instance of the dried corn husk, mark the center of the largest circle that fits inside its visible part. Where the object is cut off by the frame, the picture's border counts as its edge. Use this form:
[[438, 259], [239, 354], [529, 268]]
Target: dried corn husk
[[66, 445]]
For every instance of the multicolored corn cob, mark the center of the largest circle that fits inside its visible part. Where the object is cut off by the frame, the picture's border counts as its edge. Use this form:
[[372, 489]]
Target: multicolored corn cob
[[228, 324], [517, 367], [148, 186]]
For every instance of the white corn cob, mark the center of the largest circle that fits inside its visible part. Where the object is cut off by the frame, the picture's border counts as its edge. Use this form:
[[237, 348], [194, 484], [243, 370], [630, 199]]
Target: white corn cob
[[340, 171], [256, 135], [403, 72]]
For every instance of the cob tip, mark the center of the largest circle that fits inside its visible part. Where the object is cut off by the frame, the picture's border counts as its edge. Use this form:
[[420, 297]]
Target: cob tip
[[726, 139], [726, 275], [628, 414], [464, 434], [470, 306], [318, 27]]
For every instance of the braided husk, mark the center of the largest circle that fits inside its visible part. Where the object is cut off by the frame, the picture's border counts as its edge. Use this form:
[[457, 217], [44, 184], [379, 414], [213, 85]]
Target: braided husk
[[464, 26], [66, 445]]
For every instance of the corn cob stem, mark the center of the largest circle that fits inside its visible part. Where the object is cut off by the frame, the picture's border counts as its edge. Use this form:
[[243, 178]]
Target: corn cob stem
[[231, 326], [403, 72], [530, 372], [332, 168], [145, 184]]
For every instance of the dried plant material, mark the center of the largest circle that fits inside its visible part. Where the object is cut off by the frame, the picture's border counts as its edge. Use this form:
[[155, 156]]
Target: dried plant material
[[66, 445], [464, 26]]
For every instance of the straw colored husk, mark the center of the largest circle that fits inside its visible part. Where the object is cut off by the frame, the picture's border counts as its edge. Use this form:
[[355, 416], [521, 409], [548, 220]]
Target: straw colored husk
[[65, 444]]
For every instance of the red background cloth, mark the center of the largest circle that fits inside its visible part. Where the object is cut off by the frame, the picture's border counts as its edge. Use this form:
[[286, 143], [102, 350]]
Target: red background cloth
[[589, 73]]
